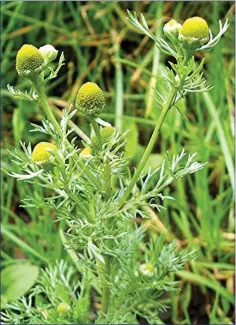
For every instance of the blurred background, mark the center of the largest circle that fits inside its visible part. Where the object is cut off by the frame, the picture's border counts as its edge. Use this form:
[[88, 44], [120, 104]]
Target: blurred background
[[101, 46]]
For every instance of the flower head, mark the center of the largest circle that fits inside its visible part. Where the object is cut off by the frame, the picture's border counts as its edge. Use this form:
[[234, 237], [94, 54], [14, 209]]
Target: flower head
[[29, 61], [63, 308], [48, 52], [90, 99], [194, 31], [86, 153], [41, 152], [147, 269], [172, 28], [106, 133]]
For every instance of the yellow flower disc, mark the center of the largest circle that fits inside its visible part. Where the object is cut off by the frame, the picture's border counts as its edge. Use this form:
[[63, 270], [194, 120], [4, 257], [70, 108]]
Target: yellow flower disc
[[29, 60], [41, 153], [150, 267], [90, 99], [195, 29], [147, 269]]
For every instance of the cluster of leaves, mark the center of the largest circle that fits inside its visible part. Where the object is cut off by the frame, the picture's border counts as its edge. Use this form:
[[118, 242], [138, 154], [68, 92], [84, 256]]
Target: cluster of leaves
[[56, 284], [81, 202], [86, 209], [129, 288]]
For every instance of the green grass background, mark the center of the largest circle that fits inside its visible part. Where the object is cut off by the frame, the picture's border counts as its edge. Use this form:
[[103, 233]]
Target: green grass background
[[101, 46]]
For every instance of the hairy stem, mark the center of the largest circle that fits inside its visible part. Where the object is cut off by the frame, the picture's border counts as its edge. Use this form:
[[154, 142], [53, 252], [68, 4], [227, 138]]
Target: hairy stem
[[166, 106]]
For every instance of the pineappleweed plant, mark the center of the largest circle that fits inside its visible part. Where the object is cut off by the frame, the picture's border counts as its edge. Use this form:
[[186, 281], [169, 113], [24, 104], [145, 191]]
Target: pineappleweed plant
[[97, 196]]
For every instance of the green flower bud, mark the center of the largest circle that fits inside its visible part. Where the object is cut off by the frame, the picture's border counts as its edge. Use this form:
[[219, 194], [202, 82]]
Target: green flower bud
[[29, 61], [106, 133], [194, 31], [90, 99], [63, 308], [172, 28], [41, 154], [86, 153]]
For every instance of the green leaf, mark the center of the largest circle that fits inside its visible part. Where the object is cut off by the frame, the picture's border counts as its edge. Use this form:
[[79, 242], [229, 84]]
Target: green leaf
[[17, 279]]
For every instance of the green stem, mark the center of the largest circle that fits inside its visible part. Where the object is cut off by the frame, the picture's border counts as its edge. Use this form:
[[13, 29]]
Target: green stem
[[39, 87], [96, 130], [79, 203], [105, 287], [106, 269], [166, 106]]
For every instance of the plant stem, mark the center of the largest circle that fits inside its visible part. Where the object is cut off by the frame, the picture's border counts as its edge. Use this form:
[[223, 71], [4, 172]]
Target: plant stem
[[39, 87], [79, 204], [166, 106], [96, 130], [105, 287], [105, 269]]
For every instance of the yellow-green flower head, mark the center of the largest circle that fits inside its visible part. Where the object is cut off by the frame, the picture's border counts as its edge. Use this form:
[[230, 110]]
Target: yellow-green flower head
[[86, 153], [29, 61], [194, 30], [63, 308], [172, 28], [90, 99], [42, 152], [106, 133]]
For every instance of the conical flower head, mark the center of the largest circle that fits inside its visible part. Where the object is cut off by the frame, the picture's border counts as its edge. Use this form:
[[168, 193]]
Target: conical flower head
[[41, 152], [90, 99], [29, 61], [194, 30]]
